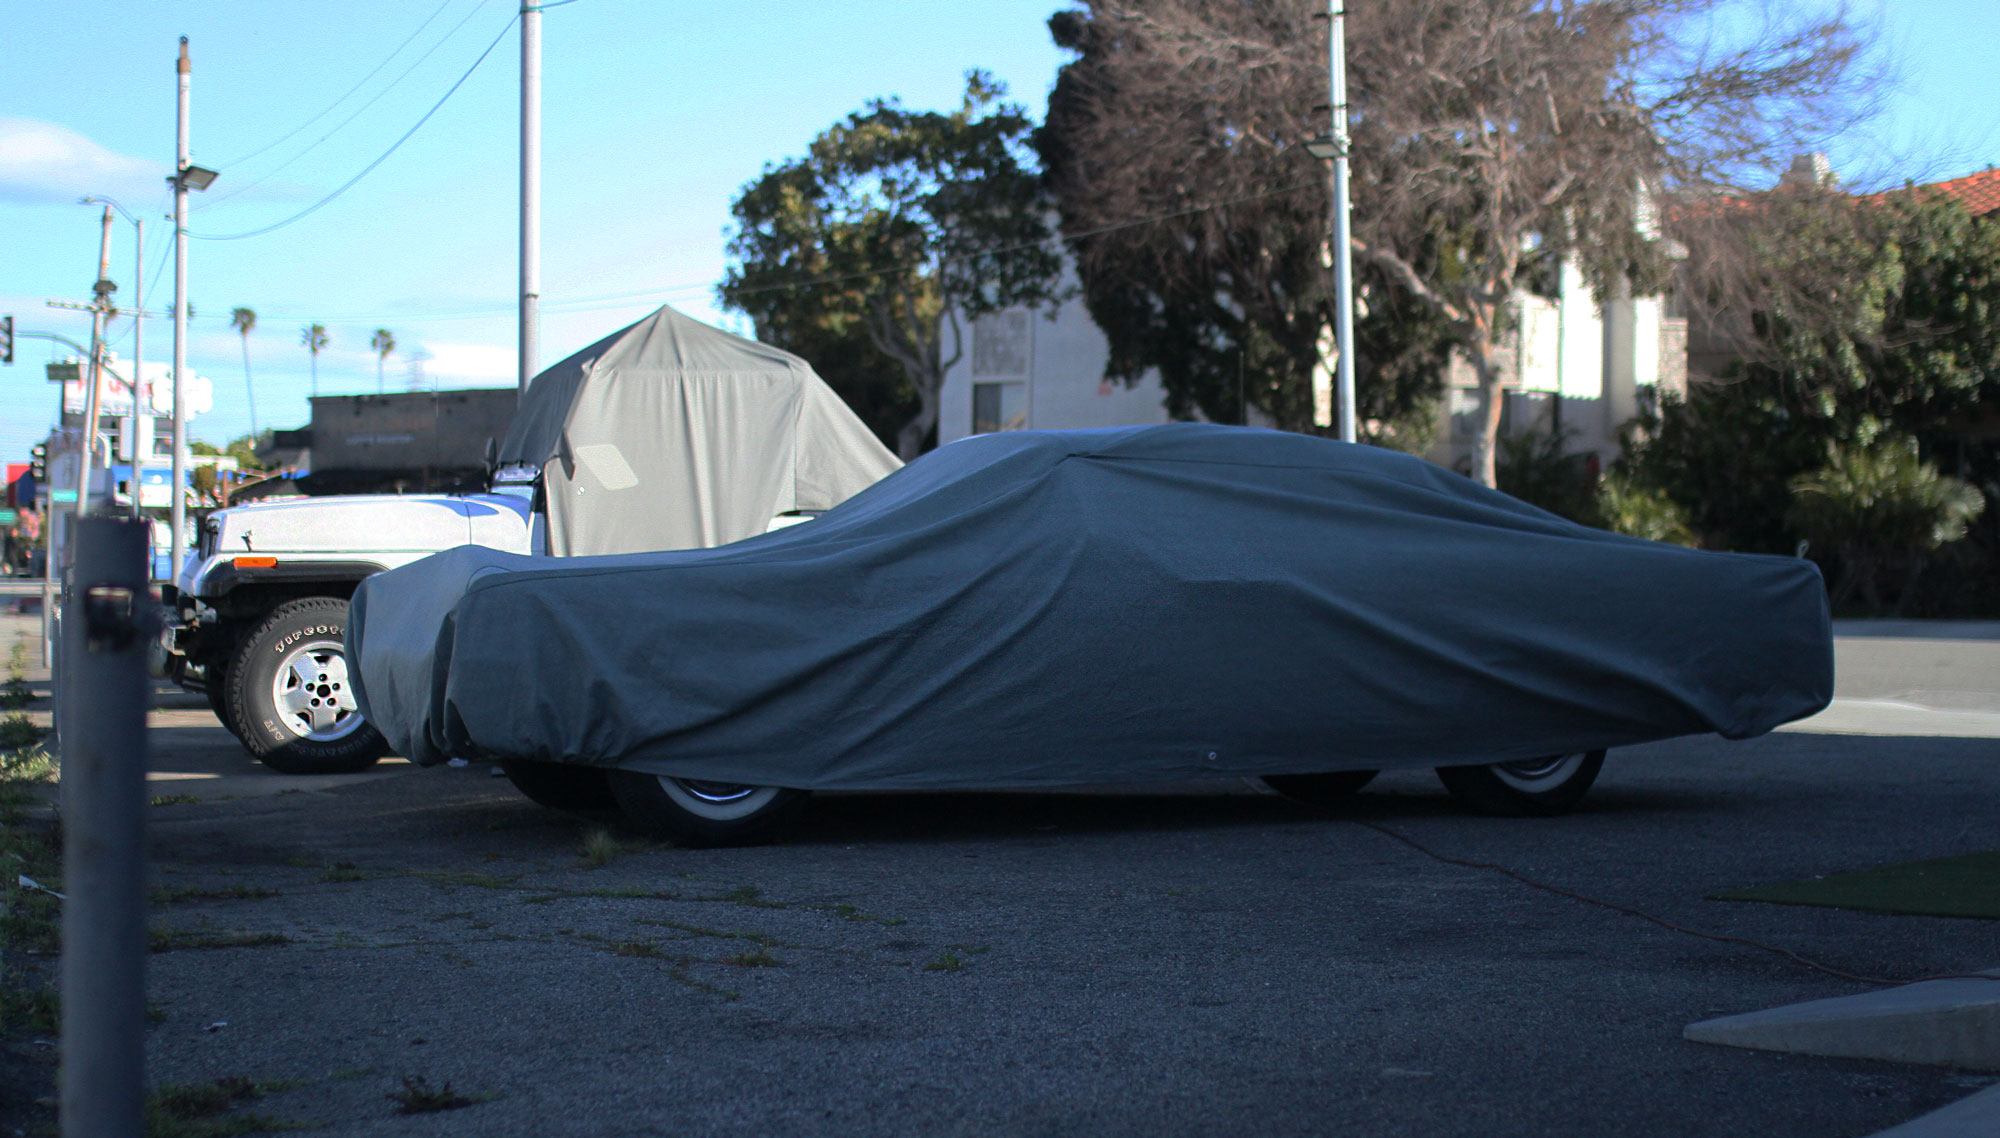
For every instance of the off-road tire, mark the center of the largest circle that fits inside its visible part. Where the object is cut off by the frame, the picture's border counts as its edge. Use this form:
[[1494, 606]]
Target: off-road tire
[[218, 695], [294, 657], [562, 786], [699, 814]]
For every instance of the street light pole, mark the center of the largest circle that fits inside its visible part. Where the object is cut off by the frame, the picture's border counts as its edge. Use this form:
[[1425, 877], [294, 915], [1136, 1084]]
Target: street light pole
[[531, 189], [95, 375], [177, 514], [142, 419], [138, 338], [1343, 261]]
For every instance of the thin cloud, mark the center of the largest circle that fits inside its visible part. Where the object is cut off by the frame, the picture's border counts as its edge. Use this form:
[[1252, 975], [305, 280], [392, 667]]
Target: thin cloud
[[41, 162]]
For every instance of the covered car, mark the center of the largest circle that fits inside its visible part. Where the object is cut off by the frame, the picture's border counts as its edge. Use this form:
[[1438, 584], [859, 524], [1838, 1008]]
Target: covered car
[[1032, 609]]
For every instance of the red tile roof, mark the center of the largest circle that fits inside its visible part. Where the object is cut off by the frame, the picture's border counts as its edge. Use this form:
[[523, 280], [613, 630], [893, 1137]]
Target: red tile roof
[[1979, 193]]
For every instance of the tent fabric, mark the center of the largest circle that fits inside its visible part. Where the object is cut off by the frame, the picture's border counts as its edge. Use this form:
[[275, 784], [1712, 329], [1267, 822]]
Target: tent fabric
[[671, 434], [1042, 608]]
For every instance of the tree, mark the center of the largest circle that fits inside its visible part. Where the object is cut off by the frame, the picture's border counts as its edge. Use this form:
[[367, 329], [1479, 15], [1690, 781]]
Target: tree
[[1878, 319], [313, 336], [897, 225], [1492, 139], [243, 320], [383, 343], [1879, 508]]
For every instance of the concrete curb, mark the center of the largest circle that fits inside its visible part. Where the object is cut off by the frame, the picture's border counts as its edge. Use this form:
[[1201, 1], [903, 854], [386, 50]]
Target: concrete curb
[[1946, 1023], [1977, 1116]]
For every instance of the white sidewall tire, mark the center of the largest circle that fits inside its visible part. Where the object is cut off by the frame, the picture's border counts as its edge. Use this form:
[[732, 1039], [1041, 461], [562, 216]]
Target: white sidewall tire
[[1536, 788], [690, 813]]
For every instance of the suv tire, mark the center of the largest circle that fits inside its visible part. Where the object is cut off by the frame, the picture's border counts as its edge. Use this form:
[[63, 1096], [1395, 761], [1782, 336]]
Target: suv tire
[[290, 697]]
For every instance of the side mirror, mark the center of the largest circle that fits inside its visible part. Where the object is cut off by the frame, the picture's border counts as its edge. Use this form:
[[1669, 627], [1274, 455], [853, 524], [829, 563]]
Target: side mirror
[[491, 460]]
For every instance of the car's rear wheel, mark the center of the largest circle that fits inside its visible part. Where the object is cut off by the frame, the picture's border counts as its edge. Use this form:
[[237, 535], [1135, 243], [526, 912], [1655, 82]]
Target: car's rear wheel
[[695, 812], [1552, 784], [562, 786], [1320, 790], [290, 698]]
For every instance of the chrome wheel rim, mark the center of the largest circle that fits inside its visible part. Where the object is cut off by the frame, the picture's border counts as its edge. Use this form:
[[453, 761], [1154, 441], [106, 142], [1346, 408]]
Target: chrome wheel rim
[[716, 801], [1538, 775], [311, 691]]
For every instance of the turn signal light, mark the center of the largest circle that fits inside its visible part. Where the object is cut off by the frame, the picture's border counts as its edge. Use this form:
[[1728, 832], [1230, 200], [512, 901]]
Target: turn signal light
[[256, 563]]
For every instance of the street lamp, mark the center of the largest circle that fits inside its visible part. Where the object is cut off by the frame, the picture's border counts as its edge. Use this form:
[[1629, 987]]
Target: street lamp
[[192, 177], [138, 337], [186, 176]]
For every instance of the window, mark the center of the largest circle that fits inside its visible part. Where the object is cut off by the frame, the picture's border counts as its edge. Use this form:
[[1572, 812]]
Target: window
[[1001, 345], [999, 407]]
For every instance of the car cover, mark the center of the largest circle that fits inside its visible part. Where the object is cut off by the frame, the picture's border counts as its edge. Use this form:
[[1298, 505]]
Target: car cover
[[1039, 608], [671, 434]]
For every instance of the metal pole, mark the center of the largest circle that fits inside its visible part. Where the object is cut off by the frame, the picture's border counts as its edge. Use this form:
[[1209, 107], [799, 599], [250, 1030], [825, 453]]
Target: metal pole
[[104, 805], [531, 188], [177, 517], [1343, 260], [96, 373], [141, 420]]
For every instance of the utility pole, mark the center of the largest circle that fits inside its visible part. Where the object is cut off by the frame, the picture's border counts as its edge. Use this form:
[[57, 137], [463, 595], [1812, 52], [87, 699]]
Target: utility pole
[[142, 418], [177, 514], [1343, 260], [99, 309], [531, 188]]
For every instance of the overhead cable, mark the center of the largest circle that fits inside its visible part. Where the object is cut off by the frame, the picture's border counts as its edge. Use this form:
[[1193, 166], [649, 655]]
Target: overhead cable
[[350, 91], [358, 112], [370, 168]]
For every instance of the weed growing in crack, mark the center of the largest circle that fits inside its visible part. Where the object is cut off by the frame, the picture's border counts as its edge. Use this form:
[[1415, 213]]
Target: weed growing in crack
[[203, 1110], [175, 940], [949, 962], [196, 893], [419, 1097], [753, 958], [601, 847]]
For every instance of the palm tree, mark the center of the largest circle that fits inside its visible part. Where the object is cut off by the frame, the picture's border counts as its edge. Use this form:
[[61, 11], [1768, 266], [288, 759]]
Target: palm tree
[[383, 343], [313, 336], [243, 319]]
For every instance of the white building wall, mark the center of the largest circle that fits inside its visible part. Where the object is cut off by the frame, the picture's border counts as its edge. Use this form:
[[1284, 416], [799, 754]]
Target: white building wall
[[1050, 374]]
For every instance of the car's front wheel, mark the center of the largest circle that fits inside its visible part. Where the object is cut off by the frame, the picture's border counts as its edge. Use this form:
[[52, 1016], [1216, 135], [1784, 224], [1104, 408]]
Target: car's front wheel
[[1552, 784], [290, 698], [695, 812]]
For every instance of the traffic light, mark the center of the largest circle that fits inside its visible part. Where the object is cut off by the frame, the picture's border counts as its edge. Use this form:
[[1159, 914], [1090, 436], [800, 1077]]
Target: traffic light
[[6, 339], [38, 462]]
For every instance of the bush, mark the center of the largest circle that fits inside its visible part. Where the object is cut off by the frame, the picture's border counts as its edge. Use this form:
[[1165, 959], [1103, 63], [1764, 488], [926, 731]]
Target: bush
[[1531, 466], [1624, 506], [1877, 511]]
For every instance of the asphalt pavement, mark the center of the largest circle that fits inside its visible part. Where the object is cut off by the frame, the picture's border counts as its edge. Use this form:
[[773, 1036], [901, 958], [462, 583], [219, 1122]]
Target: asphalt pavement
[[1181, 960]]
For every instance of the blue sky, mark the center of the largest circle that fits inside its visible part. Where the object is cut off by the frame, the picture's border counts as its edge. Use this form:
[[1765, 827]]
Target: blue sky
[[655, 113]]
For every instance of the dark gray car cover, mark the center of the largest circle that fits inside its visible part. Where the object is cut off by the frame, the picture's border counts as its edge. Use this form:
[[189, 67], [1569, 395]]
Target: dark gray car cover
[[1039, 608]]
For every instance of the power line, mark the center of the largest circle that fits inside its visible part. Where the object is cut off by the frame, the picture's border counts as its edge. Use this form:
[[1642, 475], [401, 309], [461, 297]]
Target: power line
[[695, 288], [370, 168], [358, 111], [350, 91]]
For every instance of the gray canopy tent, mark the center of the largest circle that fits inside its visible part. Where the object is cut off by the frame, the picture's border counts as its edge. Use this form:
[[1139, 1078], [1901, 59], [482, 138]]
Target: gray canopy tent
[[671, 434]]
